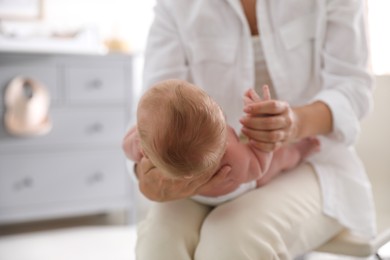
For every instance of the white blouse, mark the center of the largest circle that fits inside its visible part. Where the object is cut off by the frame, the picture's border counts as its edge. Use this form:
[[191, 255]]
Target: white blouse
[[314, 50], [262, 76]]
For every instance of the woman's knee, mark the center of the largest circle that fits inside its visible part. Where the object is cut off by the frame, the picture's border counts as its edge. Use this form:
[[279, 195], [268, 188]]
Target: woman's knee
[[170, 230], [231, 237], [234, 251]]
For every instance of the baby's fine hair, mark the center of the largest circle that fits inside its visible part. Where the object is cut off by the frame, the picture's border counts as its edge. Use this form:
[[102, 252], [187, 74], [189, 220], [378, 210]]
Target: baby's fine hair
[[188, 132]]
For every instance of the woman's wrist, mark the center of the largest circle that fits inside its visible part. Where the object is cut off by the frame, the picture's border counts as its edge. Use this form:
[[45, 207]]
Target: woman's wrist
[[313, 119]]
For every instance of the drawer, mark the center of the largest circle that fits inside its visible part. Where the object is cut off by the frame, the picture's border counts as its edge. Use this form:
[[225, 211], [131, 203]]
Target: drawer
[[98, 84], [74, 127], [46, 75], [33, 179]]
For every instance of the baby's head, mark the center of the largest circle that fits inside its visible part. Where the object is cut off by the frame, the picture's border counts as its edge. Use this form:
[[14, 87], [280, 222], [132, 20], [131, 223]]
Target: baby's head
[[182, 129]]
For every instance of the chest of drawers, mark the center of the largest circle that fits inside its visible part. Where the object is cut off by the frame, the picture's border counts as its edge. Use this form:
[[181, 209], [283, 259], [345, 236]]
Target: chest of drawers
[[78, 167]]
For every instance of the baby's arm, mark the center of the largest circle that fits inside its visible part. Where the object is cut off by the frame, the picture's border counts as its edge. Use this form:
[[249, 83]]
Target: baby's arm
[[244, 163], [284, 158], [131, 145], [247, 162], [289, 157], [263, 159]]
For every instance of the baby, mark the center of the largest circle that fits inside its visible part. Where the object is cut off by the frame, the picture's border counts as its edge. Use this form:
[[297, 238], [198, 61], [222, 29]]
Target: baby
[[184, 134]]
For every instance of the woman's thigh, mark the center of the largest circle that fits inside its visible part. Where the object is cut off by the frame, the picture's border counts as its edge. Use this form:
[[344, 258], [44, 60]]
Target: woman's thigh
[[170, 230], [277, 221]]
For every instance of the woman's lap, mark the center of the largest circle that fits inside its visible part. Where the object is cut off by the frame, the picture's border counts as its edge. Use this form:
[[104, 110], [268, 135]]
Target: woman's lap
[[278, 221], [170, 230]]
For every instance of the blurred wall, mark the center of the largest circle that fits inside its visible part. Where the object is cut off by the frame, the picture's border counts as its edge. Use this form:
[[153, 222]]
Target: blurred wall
[[127, 19]]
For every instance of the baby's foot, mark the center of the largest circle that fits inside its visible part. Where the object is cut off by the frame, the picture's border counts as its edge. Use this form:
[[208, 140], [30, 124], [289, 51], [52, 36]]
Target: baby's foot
[[308, 146]]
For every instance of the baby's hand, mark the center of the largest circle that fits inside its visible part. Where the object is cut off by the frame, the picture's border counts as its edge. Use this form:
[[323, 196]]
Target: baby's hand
[[252, 97], [131, 145]]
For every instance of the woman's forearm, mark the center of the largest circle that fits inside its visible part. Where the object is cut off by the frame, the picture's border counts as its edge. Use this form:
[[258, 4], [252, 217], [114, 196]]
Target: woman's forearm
[[313, 119]]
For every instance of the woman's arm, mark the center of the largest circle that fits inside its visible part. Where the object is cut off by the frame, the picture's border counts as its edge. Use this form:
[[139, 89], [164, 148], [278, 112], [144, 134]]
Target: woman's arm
[[269, 125], [345, 95], [346, 77], [164, 59], [165, 56]]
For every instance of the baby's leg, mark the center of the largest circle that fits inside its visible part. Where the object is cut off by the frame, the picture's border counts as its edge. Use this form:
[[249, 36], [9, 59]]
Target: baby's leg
[[288, 157]]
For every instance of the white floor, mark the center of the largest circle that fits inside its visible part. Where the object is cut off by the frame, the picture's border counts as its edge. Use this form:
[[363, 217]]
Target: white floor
[[82, 243], [97, 243]]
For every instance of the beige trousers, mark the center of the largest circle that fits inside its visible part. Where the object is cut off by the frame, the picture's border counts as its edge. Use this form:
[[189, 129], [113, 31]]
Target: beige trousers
[[281, 220]]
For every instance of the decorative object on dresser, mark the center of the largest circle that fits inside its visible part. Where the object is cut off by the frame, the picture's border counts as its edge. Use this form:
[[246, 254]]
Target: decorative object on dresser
[[77, 168], [26, 108]]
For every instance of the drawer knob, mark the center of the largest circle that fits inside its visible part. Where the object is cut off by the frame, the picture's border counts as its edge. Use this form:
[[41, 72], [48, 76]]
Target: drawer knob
[[95, 178], [24, 183], [95, 84], [94, 128]]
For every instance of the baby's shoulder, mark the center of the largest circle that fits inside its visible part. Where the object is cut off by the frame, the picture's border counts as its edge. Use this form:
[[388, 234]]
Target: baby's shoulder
[[233, 145], [232, 135]]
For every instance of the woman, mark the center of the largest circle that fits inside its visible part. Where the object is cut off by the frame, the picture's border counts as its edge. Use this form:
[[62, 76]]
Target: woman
[[314, 56]]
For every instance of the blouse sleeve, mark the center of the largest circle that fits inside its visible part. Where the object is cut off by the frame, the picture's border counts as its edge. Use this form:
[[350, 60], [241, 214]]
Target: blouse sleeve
[[346, 78], [164, 54]]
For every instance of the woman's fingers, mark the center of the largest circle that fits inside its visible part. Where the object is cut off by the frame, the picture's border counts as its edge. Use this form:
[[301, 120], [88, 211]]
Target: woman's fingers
[[266, 93], [269, 107], [265, 123], [268, 123], [265, 136], [144, 166], [215, 180]]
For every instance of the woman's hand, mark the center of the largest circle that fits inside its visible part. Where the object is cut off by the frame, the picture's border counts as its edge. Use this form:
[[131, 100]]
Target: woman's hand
[[270, 123], [155, 186]]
